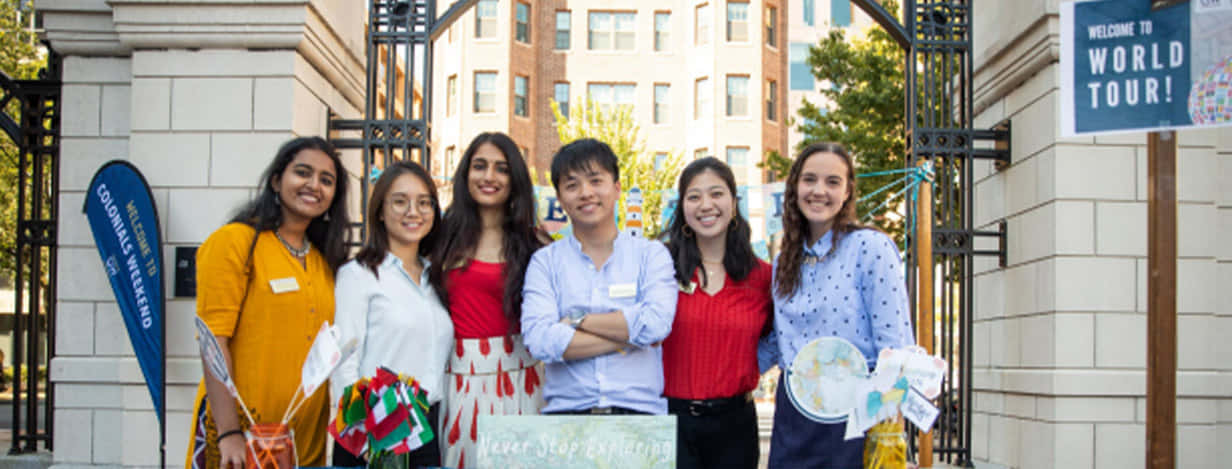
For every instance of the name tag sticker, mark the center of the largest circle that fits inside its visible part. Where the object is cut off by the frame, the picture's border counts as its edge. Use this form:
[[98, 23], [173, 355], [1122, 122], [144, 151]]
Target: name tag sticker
[[283, 285], [622, 290]]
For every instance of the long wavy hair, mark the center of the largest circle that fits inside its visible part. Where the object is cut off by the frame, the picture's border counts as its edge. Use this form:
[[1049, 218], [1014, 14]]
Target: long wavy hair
[[796, 227], [738, 257], [377, 245], [463, 225], [328, 232]]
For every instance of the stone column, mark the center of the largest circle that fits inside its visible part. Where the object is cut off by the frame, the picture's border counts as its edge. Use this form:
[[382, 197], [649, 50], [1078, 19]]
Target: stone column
[[1060, 333], [198, 95]]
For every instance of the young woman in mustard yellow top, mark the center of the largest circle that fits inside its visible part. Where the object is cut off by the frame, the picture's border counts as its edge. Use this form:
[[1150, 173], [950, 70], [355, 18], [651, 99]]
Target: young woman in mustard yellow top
[[265, 283]]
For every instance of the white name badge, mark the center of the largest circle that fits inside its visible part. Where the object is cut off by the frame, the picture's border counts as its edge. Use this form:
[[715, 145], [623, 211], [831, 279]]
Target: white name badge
[[283, 285], [622, 290]]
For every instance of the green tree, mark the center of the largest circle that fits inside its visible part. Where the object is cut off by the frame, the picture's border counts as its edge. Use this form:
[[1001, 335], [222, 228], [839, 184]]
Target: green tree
[[618, 129], [20, 59], [863, 79]]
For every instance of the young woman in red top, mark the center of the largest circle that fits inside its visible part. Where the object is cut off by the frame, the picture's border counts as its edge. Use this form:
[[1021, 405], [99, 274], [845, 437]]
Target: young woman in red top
[[724, 307], [477, 269]]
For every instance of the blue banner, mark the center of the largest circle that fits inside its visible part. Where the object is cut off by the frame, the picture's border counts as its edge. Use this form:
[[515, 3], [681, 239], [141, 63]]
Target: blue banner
[[125, 225], [1137, 65]]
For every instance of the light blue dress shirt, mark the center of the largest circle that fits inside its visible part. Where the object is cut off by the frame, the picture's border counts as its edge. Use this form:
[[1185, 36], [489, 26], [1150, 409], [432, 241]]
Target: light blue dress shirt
[[637, 279], [856, 292]]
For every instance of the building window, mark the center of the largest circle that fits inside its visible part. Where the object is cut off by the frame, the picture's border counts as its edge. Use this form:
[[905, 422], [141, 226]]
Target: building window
[[610, 31], [608, 95], [450, 155], [525, 152], [561, 95], [810, 11], [519, 96], [661, 101], [563, 29], [485, 91], [800, 75], [840, 13], [451, 98], [700, 153], [660, 158], [737, 21], [772, 99], [522, 23], [738, 159], [701, 98], [662, 30], [737, 95], [701, 20], [485, 19], [772, 26]]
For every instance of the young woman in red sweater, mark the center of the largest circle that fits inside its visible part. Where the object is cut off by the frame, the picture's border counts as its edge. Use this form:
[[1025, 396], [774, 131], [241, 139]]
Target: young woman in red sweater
[[488, 235], [724, 308]]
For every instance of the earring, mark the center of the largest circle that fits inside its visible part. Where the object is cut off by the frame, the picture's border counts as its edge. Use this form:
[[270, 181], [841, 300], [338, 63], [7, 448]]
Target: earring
[[688, 232], [326, 217]]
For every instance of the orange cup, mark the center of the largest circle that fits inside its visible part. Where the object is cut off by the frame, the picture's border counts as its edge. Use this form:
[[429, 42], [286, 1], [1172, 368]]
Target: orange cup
[[272, 445]]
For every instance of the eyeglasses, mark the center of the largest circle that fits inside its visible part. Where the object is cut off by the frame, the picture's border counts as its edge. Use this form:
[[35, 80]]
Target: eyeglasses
[[402, 205]]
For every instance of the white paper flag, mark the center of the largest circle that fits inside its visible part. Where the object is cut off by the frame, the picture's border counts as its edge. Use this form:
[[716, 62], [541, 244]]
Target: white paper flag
[[323, 357], [919, 410], [211, 353]]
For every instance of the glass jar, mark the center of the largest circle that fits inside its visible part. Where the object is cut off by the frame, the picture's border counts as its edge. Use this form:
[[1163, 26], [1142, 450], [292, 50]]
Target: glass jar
[[271, 446]]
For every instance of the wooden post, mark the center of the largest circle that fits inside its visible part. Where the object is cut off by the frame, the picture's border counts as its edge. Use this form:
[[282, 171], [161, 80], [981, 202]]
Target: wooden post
[[1161, 301], [924, 291]]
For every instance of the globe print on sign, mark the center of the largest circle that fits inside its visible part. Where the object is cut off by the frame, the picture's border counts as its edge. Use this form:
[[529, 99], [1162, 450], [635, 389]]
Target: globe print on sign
[[1210, 99], [823, 378]]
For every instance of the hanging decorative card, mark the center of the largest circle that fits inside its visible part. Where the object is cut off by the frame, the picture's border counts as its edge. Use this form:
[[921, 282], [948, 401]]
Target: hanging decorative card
[[824, 379]]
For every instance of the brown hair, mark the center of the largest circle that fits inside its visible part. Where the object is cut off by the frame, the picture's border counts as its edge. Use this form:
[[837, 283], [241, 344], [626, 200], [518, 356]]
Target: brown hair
[[796, 227], [377, 245]]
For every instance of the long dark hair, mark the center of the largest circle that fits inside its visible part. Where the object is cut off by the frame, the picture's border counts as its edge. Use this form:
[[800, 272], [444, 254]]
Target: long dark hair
[[738, 257], [796, 227], [328, 232], [463, 225], [376, 247]]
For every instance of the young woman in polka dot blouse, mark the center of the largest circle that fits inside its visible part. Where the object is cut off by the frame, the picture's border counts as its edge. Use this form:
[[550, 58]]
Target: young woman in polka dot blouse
[[833, 277]]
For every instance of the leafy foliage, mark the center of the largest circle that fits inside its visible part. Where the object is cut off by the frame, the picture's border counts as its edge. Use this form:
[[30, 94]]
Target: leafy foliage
[[619, 129], [863, 81]]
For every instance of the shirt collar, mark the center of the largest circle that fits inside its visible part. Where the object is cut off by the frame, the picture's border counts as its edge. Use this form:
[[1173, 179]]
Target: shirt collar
[[576, 245], [821, 247], [394, 262]]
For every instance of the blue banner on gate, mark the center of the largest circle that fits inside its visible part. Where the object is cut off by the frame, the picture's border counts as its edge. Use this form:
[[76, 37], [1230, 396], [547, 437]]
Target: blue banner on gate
[[125, 225]]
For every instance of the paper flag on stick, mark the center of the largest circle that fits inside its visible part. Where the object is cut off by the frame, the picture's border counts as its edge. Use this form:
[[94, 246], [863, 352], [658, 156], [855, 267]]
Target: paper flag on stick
[[211, 353], [323, 357], [216, 363], [919, 410]]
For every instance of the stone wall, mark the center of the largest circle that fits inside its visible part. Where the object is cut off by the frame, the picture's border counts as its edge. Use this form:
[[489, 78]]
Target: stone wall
[[1060, 333], [198, 95]]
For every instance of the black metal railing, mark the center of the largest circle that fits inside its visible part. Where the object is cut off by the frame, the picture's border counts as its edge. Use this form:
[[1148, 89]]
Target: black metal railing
[[36, 131]]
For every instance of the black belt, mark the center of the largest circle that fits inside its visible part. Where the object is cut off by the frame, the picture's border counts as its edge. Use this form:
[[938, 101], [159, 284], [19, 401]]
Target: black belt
[[701, 407], [601, 411]]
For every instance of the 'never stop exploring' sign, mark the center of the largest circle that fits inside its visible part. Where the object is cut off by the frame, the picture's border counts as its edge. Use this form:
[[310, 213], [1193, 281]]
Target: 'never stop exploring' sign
[[582, 442], [1140, 65]]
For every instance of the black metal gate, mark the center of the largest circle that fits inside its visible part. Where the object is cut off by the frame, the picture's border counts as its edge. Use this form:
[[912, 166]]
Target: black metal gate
[[36, 130], [937, 38]]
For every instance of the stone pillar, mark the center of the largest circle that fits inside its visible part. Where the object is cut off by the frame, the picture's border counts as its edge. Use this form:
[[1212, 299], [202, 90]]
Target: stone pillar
[[1060, 333], [198, 95]]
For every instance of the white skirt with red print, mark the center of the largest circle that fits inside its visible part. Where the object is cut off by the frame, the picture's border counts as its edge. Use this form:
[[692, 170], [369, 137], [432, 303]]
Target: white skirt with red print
[[492, 376]]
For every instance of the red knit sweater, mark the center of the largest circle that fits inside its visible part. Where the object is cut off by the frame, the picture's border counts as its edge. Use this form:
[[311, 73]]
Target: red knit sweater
[[712, 350]]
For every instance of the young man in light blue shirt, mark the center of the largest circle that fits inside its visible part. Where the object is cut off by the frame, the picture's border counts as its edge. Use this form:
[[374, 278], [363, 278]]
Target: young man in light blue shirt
[[597, 304]]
